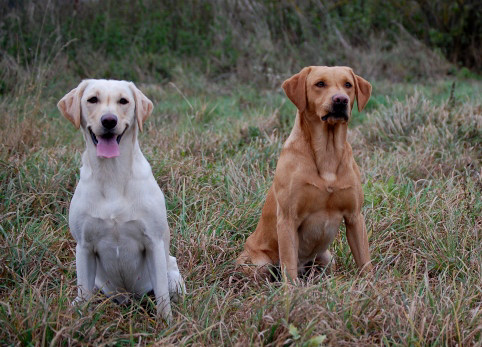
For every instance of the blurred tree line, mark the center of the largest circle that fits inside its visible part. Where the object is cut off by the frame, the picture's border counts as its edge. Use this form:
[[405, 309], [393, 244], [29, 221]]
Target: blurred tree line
[[250, 38]]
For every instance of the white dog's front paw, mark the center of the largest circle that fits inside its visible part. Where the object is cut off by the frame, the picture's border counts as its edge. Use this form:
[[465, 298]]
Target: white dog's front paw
[[77, 301], [83, 297], [165, 313], [177, 288]]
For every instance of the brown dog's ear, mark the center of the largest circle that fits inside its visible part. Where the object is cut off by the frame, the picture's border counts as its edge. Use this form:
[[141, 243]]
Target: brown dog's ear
[[295, 88], [69, 105], [144, 106], [363, 90]]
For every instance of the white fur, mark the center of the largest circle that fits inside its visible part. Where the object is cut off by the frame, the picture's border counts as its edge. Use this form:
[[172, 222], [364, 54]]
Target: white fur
[[118, 214]]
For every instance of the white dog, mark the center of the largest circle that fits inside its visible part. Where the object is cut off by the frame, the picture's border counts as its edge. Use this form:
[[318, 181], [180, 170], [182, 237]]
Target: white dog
[[117, 214]]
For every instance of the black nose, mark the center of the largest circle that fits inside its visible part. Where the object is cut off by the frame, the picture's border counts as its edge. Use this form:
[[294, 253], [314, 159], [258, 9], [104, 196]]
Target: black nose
[[109, 121], [340, 99]]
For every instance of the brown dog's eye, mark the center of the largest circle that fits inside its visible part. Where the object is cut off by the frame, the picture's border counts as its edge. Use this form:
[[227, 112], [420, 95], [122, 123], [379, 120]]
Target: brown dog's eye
[[123, 101], [348, 84], [320, 84], [93, 100]]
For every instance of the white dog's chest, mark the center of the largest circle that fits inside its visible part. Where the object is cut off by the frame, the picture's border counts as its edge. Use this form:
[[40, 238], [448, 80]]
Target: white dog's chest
[[112, 208], [108, 203], [105, 233]]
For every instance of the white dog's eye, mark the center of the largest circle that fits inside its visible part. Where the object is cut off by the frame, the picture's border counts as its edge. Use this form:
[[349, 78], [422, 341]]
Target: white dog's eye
[[93, 100], [348, 84], [123, 101], [320, 84]]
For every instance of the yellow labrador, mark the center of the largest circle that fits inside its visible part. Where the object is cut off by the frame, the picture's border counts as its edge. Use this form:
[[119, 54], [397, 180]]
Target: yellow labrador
[[317, 182], [118, 214]]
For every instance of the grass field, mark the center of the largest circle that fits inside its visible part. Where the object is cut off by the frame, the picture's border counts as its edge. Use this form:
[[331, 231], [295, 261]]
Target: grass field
[[213, 148]]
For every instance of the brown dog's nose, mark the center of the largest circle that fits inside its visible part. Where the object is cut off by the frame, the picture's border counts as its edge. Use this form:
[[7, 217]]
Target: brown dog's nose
[[340, 99], [109, 121]]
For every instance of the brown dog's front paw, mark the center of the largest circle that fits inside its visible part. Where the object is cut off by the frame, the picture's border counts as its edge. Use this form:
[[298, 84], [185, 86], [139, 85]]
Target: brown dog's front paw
[[366, 269]]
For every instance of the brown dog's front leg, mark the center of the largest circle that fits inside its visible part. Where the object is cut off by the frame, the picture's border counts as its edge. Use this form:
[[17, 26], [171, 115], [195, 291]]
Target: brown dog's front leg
[[358, 241], [288, 243]]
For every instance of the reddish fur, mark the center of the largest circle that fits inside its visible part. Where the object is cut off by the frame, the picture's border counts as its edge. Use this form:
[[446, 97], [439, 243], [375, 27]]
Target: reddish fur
[[317, 182]]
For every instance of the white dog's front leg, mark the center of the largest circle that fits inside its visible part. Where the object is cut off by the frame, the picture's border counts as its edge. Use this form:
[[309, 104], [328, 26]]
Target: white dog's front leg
[[85, 263], [156, 263]]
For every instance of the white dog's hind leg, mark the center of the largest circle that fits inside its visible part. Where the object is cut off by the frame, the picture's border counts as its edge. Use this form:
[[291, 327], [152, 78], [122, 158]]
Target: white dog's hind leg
[[156, 263], [86, 266], [177, 288]]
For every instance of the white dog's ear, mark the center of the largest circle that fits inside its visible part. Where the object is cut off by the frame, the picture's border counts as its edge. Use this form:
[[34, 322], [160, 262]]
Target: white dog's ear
[[69, 105], [144, 106]]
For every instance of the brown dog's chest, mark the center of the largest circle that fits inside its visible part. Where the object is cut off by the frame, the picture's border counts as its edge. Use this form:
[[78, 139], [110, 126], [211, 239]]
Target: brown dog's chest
[[330, 196]]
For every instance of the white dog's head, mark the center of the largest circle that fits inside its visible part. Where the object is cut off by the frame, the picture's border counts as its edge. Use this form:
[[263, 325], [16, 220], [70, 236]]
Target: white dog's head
[[105, 109]]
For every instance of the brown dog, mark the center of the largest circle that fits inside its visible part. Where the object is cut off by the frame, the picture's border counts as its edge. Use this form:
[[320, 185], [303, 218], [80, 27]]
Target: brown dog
[[317, 182]]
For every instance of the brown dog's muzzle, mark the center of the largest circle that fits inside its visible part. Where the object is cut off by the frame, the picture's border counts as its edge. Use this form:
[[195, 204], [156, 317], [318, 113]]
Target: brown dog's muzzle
[[339, 108], [340, 99]]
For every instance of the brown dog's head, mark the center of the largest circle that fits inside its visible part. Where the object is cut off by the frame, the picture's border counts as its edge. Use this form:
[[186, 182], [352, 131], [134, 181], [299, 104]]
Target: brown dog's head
[[105, 109], [327, 92]]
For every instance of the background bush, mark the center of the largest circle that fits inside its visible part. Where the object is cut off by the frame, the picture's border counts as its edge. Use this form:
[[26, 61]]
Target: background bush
[[255, 41]]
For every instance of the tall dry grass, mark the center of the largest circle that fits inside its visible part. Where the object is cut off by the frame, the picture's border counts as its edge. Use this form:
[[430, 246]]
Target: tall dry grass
[[214, 161]]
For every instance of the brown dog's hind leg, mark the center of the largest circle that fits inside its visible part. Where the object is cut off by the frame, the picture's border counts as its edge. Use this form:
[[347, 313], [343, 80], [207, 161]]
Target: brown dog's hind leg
[[326, 260], [254, 263], [322, 264]]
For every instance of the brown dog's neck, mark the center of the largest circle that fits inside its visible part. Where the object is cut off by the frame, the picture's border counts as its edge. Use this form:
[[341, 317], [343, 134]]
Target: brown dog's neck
[[327, 142]]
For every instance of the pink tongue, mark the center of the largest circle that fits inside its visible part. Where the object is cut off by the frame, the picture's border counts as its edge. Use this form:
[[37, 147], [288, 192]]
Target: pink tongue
[[107, 148]]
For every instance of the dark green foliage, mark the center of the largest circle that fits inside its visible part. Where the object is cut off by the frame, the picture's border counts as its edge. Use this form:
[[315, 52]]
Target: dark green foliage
[[256, 40]]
